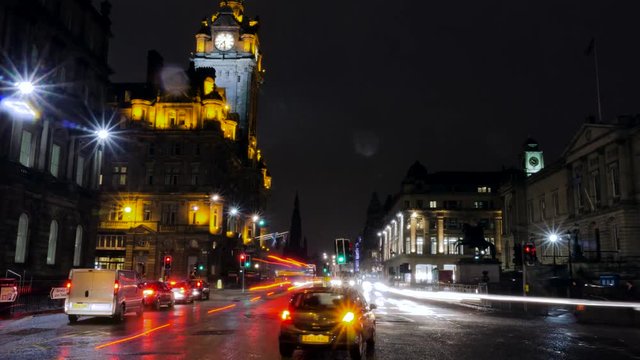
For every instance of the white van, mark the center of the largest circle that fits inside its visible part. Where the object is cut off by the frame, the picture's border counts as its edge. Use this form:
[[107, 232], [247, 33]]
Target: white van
[[97, 292]]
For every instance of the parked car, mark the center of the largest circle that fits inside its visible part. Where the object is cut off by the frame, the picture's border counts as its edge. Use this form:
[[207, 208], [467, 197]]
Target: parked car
[[101, 292], [320, 317], [182, 291], [200, 289], [157, 294]]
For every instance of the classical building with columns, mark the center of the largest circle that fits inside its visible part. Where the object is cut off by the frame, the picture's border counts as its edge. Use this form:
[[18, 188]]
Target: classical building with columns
[[423, 223]]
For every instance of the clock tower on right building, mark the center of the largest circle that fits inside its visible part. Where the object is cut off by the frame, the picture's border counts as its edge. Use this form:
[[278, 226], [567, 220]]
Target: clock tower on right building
[[533, 159]]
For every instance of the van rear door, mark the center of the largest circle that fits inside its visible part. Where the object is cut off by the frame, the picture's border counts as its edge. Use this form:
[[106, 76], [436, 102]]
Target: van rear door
[[103, 286]]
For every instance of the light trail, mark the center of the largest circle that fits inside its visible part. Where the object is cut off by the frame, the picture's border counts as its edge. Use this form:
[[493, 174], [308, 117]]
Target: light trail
[[131, 337], [255, 298], [221, 308], [292, 262], [453, 296], [272, 262], [270, 286], [271, 293]]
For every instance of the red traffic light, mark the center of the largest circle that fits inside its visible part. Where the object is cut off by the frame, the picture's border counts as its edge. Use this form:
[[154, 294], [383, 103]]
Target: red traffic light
[[167, 259], [242, 256]]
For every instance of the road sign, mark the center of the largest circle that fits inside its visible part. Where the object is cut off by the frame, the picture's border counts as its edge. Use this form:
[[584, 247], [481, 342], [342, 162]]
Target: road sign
[[58, 293], [8, 294]]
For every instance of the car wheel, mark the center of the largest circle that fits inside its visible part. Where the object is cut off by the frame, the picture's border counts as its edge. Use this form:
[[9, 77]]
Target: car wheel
[[286, 350], [73, 319], [157, 304], [118, 317]]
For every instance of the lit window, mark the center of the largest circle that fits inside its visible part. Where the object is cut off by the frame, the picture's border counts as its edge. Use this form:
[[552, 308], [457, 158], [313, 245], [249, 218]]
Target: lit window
[[80, 171], [25, 148], [54, 165], [484, 189], [433, 204], [119, 176], [21, 239], [78, 246], [53, 240]]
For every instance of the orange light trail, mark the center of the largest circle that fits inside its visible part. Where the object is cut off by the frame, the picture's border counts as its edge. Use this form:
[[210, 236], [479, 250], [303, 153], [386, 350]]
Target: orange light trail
[[131, 337], [301, 264], [273, 263], [221, 308], [265, 287], [287, 261], [271, 293], [255, 298]]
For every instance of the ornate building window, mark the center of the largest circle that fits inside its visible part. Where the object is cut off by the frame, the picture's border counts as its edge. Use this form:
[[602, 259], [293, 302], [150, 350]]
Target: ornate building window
[[80, 171], [119, 176], [77, 249], [53, 241], [25, 148], [22, 239], [54, 164]]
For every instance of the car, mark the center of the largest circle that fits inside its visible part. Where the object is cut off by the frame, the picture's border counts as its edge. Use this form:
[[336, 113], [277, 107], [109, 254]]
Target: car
[[103, 292], [182, 291], [200, 289], [157, 294], [329, 318]]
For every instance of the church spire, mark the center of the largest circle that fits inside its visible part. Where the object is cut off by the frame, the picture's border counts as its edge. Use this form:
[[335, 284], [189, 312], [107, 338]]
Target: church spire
[[237, 6]]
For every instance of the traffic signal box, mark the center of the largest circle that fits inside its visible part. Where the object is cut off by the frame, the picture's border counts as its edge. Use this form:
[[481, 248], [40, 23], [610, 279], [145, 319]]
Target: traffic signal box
[[245, 260], [342, 248], [167, 262], [529, 252]]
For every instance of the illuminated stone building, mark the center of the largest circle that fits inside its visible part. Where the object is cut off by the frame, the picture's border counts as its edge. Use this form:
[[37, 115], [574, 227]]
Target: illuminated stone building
[[424, 221], [188, 176], [49, 155]]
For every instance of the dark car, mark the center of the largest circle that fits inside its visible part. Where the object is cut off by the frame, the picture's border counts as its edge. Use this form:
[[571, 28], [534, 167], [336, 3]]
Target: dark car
[[157, 294], [335, 318], [200, 289], [182, 291]]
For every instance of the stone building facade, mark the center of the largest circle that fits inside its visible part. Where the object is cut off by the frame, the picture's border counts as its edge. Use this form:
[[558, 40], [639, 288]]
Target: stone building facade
[[53, 77]]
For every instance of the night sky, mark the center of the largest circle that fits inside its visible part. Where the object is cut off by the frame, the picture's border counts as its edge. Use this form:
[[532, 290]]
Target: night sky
[[357, 90]]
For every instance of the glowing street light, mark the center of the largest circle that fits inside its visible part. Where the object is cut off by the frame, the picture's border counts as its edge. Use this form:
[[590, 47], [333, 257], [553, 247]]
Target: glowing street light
[[553, 237], [255, 218], [215, 197], [102, 134], [127, 209], [195, 208], [25, 87], [233, 211]]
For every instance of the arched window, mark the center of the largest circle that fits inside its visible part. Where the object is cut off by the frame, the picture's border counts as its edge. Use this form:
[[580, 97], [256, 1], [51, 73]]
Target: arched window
[[53, 241], [78, 246], [22, 238]]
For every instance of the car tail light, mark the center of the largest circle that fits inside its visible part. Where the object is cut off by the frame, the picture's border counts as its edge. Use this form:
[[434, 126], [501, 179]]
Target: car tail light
[[68, 285], [348, 317], [286, 315], [172, 283], [116, 287], [198, 284], [147, 292]]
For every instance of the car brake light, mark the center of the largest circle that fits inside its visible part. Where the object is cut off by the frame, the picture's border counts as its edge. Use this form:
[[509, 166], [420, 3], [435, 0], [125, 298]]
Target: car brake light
[[348, 317], [68, 285], [116, 287], [147, 292], [172, 283], [286, 315], [198, 284]]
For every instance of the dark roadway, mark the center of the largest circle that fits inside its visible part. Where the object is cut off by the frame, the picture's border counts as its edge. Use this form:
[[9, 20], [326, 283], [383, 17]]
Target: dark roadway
[[230, 326]]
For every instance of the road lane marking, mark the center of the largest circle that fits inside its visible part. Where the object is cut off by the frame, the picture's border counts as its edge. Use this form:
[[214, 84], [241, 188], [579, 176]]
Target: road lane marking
[[131, 337], [221, 308]]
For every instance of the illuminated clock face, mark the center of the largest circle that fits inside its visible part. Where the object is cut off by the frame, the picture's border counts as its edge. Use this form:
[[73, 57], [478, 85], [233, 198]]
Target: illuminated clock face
[[533, 161], [224, 41]]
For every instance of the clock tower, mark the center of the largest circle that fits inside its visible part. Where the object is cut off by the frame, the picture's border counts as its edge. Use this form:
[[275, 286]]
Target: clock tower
[[228, 43], [533, 159]]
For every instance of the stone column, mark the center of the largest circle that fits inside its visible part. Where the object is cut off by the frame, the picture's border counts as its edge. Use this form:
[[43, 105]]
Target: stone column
[[426, 242], [40, 164], [440, 229], [413, 230], [498, 234]]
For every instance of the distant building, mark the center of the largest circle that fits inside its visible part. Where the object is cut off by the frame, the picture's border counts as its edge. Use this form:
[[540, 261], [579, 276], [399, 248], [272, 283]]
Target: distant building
[[188, 177], [421, 229], [49, 153], [588, 199]]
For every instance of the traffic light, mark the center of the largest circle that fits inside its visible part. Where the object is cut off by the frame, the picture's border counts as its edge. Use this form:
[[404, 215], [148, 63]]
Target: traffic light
[[517, 254], [262, 223], [200, 267], [167, 262], [247, 261], [350, 252], [342, 249], [530, 257]]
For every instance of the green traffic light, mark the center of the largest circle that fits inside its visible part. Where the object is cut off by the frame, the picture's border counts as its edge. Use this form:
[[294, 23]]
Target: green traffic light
[[247, 264], [341, 259], [201, 267]]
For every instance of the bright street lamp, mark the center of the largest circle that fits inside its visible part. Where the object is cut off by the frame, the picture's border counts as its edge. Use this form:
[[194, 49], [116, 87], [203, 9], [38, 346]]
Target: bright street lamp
[[553, 237], [233, 211], [255, 218], [25, 87]]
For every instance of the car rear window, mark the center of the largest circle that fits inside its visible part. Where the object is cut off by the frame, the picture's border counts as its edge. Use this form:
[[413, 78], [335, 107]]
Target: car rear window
[[319, 300]]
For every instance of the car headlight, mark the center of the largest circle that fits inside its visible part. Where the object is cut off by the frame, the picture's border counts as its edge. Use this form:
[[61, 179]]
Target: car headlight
[[348, 317]]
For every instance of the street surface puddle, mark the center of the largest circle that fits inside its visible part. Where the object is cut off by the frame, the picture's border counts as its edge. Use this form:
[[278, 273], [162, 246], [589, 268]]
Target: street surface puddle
[[213, 332]]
